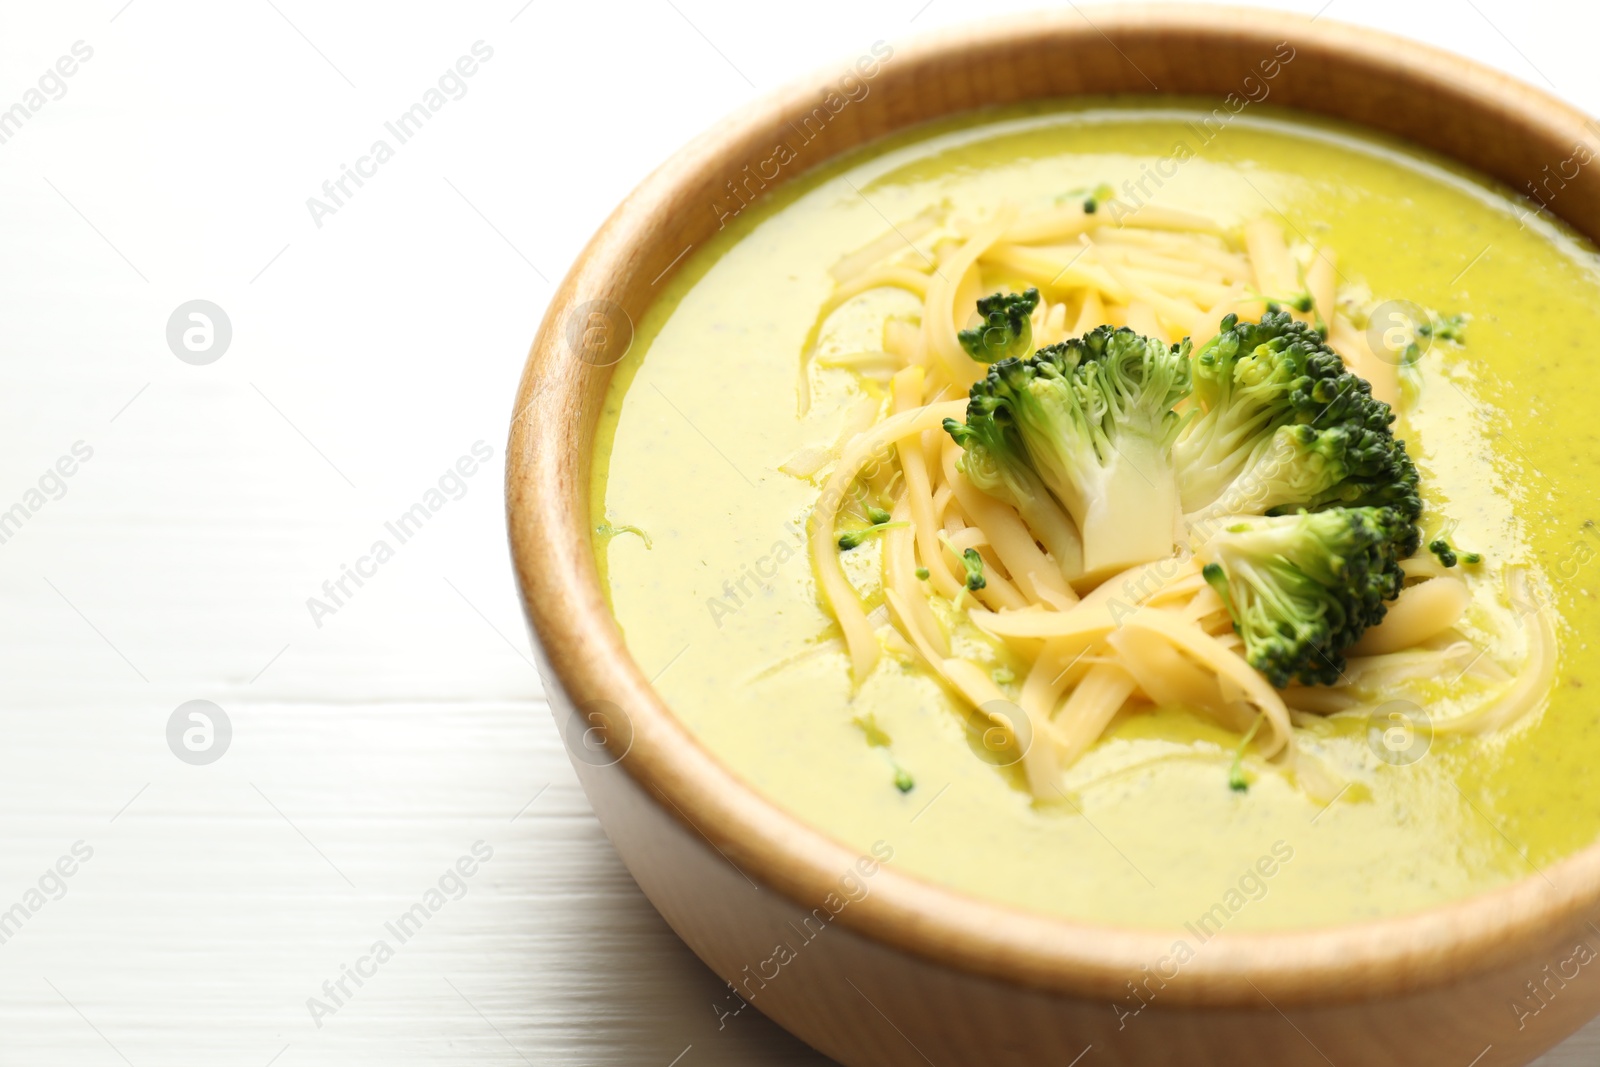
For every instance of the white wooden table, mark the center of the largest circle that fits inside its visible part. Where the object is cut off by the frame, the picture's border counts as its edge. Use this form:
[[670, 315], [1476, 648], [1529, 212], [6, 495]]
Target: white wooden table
[[379, 740]]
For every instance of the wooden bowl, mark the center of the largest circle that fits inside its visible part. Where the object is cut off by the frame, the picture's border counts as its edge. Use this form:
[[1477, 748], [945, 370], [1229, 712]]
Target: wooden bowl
[[915, 973]]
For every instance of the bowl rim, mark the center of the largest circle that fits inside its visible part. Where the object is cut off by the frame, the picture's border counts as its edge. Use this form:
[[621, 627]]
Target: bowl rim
[[547, 496]]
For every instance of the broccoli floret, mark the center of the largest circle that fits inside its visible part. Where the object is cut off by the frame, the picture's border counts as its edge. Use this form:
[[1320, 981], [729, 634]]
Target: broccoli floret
[[1305, 466], [1006, 330], [1441, 549], [1303, 588], [1244, 382], [995, 461], [1094, 416], [1283, 426]]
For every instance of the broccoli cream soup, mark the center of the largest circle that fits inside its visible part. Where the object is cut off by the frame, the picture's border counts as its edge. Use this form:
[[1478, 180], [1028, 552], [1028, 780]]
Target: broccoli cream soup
[[1129, 519]]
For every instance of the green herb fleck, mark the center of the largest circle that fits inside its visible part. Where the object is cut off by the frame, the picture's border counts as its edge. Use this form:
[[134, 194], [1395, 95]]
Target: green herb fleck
[[922, 574], [1441, 548], [1090, 198], [868, 725], [974, 567], [1236, 777], [853, 538], [1451, 328]]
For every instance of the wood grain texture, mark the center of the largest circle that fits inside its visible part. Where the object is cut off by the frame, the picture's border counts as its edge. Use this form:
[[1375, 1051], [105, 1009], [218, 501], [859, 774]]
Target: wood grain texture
[[983, 983]]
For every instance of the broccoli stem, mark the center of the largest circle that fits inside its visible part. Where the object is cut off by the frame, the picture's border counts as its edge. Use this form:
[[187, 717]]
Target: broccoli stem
[[854, 538], [609, 530], [1132, 517], [1054, 530]]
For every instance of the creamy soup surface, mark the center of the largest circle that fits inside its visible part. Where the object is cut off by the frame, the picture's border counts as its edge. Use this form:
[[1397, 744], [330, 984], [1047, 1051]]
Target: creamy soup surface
[[722, 600]]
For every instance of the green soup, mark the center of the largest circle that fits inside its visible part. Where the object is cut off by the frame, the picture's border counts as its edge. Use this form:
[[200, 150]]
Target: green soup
[[723, 601]]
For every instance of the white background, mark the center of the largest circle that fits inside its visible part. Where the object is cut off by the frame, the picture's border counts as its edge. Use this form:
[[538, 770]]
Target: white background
[[367, 356]]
